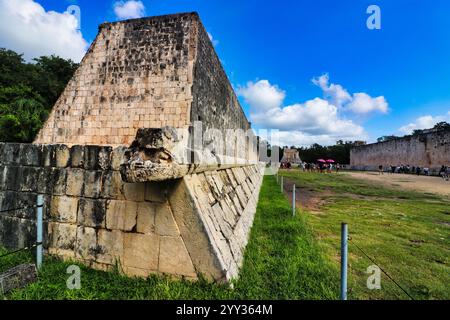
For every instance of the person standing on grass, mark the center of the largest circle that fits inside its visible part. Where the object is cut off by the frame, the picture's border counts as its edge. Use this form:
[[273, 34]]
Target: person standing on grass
[[338, 166], [443, 172], [418, 171]]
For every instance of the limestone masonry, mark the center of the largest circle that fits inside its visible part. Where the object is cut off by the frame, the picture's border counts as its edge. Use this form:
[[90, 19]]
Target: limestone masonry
[[112, 160], [430, 150]]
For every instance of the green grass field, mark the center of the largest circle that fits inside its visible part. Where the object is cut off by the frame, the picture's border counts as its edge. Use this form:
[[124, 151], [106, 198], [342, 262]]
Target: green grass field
[[282, 261], [298, 257], [407, 233]]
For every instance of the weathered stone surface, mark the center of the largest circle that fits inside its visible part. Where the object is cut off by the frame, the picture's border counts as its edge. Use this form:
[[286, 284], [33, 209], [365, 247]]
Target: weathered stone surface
[[155, 191], [121, 215], [30, 155], [174, 258], [17, 278], [134, 191], [141, 251], [75, 182], [77, 157], [97, 158], [59, 177], [62, 155], [86, 244], [92, 183], [64, 209], [92, 213], [112, 185], [430, 150], [165, 224], [62, 238], [110, 246], [29, 178], [118, 157], [146, 217]]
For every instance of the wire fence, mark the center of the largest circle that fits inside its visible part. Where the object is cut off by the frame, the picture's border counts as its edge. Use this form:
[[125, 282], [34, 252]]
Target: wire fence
[[371, 259], [280, 180], [38, 243]]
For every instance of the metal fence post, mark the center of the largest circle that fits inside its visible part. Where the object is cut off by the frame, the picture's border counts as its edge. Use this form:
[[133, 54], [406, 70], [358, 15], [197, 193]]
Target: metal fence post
[[40, 204], [344, 251], [293, 200], [281, 184]]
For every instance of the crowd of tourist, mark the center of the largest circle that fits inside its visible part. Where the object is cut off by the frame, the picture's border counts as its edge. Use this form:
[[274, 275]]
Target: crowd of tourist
[[320, 167], [444, 172]]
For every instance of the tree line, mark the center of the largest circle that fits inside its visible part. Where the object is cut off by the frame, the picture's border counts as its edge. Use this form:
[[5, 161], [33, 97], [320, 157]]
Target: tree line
[[28, 92], [339, 152]]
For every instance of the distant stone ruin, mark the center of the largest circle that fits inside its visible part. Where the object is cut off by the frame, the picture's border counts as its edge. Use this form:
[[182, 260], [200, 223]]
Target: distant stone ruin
[[130, 171], [430, 149], [291, 156]]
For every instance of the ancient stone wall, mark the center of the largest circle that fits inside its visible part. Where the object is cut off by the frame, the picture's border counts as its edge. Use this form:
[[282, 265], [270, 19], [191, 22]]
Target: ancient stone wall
[[427, 150], [144, 73], [91, 215], [114, 158]]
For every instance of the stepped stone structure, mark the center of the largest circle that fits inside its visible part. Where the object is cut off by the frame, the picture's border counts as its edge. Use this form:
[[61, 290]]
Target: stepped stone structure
[[430, 149], [130, 171]]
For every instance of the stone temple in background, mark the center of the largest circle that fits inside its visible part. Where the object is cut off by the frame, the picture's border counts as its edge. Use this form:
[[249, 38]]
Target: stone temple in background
[[114, 159]]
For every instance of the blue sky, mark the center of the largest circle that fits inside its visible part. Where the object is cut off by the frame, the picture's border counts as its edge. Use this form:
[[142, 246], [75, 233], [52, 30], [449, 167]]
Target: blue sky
[[273, 49]]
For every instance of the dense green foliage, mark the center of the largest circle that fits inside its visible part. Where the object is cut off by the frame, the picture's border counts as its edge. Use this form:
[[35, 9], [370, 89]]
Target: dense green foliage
[[282, 261], [406, 232], [28, 91], [339, 152]]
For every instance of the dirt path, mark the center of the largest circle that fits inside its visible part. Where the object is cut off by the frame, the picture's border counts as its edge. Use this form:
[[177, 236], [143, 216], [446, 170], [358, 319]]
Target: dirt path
[[305, 198], [408, 181]]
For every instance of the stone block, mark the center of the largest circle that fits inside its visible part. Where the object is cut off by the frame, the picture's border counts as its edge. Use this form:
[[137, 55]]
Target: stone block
[[11, 154], [62, 155], [49, 155], [146, 218], [174, 258], [134, 191], [13, 178], [118, 157], [30, 176], [77, 157], [165, 224], [30, 155], [75, 182], [59, 181], [97, 158], [110, 246], [155, 191], [92, 213], [62, 236], [112, 185], [45, 181], [92, 183], [86, 243], [141, 251], [121, 215], [64, 209]]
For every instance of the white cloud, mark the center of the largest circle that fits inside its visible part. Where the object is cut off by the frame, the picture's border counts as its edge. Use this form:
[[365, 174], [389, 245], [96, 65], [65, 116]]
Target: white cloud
[[424, 122], [314, 121], [27, 28], [360, 103], [363, 103], [129, 9], [215, 42], [334, 93], [262, 95]]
